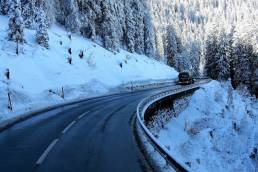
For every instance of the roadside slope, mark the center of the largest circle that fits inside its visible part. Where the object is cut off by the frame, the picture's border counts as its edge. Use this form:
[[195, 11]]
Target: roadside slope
[[37, 70], [219, 122]]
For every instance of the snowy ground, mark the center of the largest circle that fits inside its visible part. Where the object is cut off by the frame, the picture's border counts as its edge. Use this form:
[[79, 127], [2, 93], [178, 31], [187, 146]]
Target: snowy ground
[[218, 131], [37, 70]]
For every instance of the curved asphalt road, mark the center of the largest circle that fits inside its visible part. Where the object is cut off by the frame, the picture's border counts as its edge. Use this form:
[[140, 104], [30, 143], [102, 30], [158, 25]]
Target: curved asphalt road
[[92, 136]]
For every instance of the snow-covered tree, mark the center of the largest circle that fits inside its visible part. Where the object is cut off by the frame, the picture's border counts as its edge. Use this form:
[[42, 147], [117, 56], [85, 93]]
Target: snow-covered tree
[[217, 55], [231, 53], [87, 17], [182, 62], [29, 13], [194, 58], [42, 37], [149, 37], [138, 14], [245, 63], [109, 35], [4, 6], [15, 31], [72, 21], [120, 17], [170, 46], [130, 28], [210, 53], [222, 68]]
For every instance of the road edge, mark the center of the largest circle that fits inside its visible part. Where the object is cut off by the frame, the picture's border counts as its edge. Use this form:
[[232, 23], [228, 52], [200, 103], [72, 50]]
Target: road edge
[[152, 157], [29, 114]]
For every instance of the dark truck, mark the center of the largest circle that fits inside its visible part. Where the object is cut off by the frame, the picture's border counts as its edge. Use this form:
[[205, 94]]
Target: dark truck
[[185, 78]]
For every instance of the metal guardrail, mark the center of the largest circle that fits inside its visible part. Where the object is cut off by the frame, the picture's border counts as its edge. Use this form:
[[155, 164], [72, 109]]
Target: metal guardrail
[[132, 86], [146, 103]]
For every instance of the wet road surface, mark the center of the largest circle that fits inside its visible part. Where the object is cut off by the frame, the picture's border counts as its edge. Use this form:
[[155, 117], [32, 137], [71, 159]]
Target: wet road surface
[[91, 136]]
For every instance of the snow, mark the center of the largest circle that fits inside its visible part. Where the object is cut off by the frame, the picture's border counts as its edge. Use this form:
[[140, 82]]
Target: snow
[[158, 163], [216, 132], [37, 70]]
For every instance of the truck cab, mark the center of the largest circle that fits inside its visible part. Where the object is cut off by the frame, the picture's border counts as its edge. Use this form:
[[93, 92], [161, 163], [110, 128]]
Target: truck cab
[[185, 78]]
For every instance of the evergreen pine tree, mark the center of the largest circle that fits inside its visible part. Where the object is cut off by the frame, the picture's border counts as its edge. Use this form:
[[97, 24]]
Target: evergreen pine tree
[[129, 28], [171, 48], [72, 22], [149, 37], [138, 14], [243, 54], [231, 54], [42, 37], [4, 6], [16, 24], [29, 14], [195, 56], [211, 48], [111, 41], [221, 61]]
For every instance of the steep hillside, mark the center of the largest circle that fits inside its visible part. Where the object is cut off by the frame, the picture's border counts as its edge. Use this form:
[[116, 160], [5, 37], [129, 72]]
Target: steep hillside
[[177, 32], [217, 131], [36, 69]]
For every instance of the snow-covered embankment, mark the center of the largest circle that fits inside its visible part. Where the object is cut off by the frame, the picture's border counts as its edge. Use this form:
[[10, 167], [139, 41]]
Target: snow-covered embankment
[[216, 132], [37, 70]]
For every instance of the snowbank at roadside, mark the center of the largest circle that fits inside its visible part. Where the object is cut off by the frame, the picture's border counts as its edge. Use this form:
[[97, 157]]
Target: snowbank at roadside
[[217, 132]]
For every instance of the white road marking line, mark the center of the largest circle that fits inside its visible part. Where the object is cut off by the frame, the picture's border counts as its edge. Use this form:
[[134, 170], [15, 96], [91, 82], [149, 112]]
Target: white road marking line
[[68, 127], [81, 116], [44, 155]]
